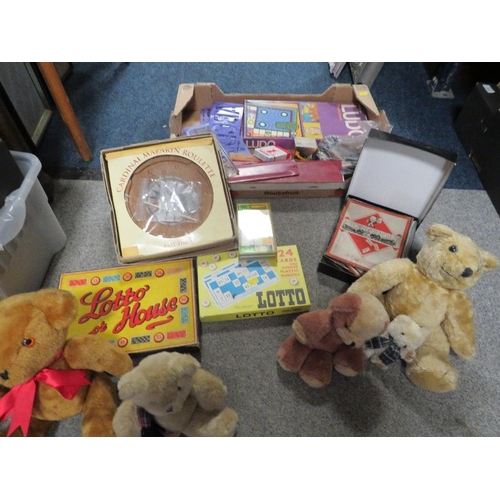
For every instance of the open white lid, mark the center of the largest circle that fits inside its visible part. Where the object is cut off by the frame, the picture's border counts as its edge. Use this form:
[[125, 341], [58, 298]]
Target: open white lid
[[400, 174]]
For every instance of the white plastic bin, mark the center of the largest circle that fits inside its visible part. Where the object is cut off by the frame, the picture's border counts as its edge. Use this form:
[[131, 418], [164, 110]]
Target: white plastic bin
[[30, 234]]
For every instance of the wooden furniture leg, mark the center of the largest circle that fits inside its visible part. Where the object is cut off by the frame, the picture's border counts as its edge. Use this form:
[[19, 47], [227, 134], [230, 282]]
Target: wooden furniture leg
[[60, 97]]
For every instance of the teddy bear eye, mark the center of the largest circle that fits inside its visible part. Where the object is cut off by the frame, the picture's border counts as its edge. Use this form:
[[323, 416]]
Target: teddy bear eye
[[453, 248], [179, 388], [29, 342]]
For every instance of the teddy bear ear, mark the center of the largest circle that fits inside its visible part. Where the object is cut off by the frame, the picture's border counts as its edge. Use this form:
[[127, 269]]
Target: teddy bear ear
[[188, 365], [490, 261], [132, 383], [438, 231], [346, 306], [59, 306]]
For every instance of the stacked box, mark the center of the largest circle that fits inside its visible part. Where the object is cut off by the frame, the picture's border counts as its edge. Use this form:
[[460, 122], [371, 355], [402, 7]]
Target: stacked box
[[193, 97]]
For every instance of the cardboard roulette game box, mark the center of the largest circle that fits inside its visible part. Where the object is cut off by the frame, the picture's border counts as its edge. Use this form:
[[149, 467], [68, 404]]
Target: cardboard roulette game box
[[169, 199], [141, 308]]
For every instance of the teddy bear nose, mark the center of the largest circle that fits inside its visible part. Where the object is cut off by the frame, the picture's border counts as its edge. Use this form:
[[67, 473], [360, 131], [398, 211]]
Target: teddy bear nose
[[467, 272], [5, 375]]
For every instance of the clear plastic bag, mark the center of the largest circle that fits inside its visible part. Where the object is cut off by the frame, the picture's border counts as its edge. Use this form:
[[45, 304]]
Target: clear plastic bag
[[348, 148], [168, 201]]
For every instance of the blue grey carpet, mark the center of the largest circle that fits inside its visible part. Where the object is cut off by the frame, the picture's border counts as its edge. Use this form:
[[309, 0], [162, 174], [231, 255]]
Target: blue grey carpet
[[124, 103]]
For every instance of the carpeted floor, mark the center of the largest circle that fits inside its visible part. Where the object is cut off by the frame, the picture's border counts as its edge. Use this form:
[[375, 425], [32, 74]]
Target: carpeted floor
[[124, 103], [272, 402]]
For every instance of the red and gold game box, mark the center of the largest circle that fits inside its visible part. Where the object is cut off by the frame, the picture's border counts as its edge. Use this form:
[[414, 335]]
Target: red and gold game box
[[141, 308], [395, 183], [169, 199], [367, 235]]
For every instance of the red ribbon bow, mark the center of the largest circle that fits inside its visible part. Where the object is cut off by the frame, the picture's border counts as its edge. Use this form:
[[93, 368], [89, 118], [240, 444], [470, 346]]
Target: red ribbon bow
[[19, 401]]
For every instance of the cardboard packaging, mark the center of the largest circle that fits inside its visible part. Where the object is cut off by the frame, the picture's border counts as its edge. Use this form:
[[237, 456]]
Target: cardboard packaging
[[169, 199], [396, 181], [259, 171], [232, 289], [256, 238], [272, 153], [283, 121], [30, 234], [320, 182], [316, 178], [193, 97], [140, 308], [478, 128], [305, 147]]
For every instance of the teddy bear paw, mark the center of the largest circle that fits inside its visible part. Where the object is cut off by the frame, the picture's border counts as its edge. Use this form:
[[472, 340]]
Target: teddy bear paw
[[212, 424], [433, 374], [409, 357], [379, 364], [465, 349], [347, 371]]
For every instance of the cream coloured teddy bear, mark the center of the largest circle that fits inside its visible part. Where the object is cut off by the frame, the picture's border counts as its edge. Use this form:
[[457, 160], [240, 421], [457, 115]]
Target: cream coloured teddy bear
[[431, 292], [169, 394], [400, 341]]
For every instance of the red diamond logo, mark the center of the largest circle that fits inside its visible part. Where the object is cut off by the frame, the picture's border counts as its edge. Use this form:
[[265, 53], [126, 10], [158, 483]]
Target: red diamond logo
[[366, 245]]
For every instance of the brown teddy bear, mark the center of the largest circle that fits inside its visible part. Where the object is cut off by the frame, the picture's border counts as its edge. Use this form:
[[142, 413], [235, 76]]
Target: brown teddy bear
[[431, 293], [168, 394], [46, 377], [333, 337]]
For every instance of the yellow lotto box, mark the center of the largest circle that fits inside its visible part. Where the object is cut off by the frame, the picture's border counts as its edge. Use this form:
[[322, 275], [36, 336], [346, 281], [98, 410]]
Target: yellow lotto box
[[139, 308], [230, 288]]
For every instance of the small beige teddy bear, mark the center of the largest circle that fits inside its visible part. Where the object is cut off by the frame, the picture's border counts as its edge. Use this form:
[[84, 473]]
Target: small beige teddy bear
[[168, 394], [400, 341]]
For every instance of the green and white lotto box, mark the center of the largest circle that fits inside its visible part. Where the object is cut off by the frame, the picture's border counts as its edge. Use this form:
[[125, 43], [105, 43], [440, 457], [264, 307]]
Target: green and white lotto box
[[231, 288]]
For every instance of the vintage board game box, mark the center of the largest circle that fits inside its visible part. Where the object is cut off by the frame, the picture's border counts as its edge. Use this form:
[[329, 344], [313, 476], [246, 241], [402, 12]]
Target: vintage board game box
[[395, 183], [366, 235], [193, 97], [284, 121], [169, 199], [253, 171], [276, 120], [140, 308], [316, 179], [230, 288], [321, 119]]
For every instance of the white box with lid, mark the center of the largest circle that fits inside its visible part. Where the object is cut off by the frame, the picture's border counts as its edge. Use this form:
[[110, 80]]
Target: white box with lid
[[30, 234], [397, 174]]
